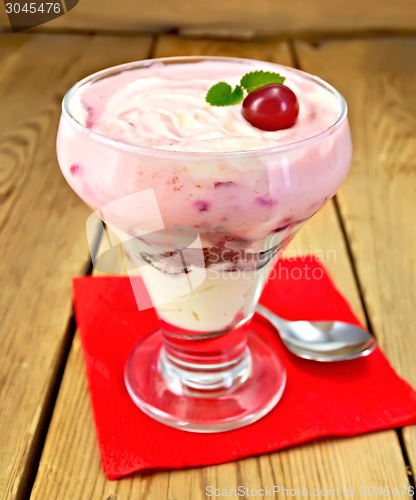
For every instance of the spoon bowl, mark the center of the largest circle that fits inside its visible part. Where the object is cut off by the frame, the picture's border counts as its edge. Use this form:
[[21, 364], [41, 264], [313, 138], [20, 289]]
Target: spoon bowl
[[322, 340]]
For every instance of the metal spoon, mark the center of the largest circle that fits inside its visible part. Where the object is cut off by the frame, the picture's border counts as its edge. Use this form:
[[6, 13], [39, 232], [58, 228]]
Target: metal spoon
[[321, 340]]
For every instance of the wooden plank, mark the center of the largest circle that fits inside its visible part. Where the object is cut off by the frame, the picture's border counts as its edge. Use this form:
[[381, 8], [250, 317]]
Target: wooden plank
[[70, 467], [378, 79], [409, 437], [174, 45], [224, 17], [42, 228]]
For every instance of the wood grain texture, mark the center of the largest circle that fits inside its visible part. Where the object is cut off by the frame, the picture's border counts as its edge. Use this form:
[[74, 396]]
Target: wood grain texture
[[377, 201], [43, 242], [169, 45], [69, 465], [409, 437], [238, 17]]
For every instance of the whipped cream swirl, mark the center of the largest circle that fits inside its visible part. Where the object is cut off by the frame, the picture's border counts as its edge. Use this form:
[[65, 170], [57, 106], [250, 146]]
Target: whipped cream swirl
[[164, 107]]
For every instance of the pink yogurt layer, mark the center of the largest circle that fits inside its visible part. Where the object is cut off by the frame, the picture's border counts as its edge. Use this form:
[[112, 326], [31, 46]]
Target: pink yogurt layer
[[245, 194]]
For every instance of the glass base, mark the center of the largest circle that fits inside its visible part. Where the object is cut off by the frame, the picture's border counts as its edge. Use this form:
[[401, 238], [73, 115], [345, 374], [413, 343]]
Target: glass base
[[158, 388]]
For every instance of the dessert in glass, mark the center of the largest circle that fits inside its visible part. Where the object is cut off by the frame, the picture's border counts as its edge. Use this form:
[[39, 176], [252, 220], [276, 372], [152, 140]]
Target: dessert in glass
[[203, 202]]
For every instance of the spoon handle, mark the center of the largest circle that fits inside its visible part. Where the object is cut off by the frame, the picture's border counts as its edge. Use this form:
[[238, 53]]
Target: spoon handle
[[272, 317]]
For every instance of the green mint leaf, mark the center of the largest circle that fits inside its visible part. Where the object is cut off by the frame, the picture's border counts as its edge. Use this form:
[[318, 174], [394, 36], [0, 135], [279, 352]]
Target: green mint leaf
[[256, 79], [221, 94]]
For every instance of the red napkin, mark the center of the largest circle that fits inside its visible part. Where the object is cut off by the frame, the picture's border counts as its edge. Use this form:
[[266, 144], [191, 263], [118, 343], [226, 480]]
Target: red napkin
[[320, 399]]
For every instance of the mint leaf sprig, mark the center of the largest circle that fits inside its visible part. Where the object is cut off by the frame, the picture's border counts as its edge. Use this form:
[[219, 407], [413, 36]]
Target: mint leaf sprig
[[221, 94]]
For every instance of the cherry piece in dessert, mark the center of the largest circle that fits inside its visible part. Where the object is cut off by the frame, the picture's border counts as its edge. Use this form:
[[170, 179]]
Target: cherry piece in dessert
[[272, 107], [202, 206], [74, 169]]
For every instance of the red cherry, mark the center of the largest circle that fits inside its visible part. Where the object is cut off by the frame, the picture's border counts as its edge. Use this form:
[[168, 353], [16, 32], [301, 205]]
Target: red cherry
[[272, 107]]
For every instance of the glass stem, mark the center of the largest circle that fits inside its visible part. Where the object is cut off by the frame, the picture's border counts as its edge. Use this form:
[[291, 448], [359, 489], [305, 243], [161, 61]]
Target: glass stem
[[205, 364]]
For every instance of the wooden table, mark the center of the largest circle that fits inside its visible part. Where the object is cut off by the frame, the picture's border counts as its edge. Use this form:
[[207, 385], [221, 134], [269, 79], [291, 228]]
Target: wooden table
[[48, 448]]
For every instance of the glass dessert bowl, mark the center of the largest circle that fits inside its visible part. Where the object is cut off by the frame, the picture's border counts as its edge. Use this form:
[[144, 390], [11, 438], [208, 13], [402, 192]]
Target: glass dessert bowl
[[203, 203]]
